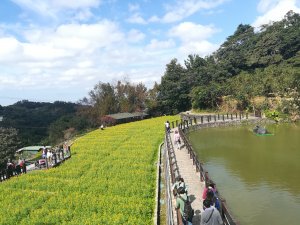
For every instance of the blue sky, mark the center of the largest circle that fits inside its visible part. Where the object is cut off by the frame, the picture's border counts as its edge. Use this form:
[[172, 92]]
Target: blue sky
[[59, 49]]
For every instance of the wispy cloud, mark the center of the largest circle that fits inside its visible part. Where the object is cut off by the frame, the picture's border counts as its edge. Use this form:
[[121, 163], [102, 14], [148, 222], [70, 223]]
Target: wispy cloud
[[274, 10], [194, 38], [136, 18], [80, 9], [184, 9]]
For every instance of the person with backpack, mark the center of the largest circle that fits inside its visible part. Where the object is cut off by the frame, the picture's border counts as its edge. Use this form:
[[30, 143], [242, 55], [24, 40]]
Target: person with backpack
[[179, 183], [184, 205], [210, 215], [212, 195]]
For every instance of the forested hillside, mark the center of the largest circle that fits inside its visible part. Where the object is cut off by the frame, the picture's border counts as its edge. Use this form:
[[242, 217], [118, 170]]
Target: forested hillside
[[42, 123], [249, 64]]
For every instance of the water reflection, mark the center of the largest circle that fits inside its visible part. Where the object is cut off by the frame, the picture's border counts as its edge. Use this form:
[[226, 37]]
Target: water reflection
[[258, 175]]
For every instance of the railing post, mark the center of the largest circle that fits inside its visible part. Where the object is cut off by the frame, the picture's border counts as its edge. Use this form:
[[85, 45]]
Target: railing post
[[227, 115], [195, 120], [201, 119], [223, 117], [240, 116], [246, 115], [172, 124], [215, 117], [207, 119], [176, 123], [231, 117], [218, 116]]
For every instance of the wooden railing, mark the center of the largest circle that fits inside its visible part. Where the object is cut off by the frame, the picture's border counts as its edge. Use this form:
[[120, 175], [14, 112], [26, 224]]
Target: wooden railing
[[228, 219], [174, 171], [189, 122]]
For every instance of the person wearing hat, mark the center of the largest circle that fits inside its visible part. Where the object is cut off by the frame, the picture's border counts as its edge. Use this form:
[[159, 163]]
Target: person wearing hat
[[210, 215]]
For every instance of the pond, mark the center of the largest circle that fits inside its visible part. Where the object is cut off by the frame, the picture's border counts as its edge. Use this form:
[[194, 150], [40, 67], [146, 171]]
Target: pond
[[259, 176]]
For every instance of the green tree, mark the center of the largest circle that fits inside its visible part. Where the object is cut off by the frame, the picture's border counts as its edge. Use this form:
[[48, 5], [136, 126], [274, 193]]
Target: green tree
[[103, 100], [173, 96], [9, 144]]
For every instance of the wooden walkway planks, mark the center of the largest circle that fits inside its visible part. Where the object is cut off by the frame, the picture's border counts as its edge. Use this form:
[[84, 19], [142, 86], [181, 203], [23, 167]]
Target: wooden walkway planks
[[192, 179]]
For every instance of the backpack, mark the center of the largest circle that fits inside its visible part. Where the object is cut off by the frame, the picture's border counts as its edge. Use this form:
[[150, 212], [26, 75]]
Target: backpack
[[188, 211]]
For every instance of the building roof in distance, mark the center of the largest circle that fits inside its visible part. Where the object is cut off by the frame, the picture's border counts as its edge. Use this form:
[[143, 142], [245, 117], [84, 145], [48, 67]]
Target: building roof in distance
[[31, 148]]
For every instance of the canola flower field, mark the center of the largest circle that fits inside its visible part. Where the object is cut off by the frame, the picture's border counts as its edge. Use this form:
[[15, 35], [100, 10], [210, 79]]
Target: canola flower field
[[110, 179]]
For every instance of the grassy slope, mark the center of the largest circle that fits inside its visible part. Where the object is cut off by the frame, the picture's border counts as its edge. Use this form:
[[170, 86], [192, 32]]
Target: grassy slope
[[109, 180]]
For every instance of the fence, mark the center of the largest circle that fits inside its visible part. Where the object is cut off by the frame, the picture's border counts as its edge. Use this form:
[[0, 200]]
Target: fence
[[58, 158], [191, 122], [171, 173]]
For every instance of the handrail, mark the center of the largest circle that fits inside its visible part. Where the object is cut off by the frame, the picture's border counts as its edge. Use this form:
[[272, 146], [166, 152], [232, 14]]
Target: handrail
[[190, 122], [227, 217], [172, 167]]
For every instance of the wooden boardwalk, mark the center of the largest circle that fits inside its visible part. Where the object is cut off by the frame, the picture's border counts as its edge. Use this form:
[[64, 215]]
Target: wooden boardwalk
[[192, 179], [188, 171]]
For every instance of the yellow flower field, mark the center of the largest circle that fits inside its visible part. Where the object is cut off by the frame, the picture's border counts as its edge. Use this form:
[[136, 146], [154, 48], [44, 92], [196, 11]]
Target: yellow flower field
[[110, 179]]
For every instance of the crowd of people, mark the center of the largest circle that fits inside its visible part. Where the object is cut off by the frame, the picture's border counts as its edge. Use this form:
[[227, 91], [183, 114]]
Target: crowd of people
[[13, 168], [211, 213], [50, 157], [54, 155]]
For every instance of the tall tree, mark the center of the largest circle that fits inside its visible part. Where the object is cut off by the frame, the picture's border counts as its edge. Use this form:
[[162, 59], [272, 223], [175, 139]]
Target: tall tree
[[173, 94], [9, 144], [103, 99]]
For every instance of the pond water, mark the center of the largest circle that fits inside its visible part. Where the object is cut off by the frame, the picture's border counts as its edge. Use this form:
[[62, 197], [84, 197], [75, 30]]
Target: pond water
[[259, 176]]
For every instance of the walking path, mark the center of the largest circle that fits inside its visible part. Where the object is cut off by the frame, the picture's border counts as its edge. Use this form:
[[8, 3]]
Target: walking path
[[192, 179], [188, 172]]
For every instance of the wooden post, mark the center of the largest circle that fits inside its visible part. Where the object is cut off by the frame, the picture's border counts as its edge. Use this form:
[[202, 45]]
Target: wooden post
[[215, 117], [176, 123], [231, 117], [227, 115], [201, 119], [246, 115], [172, 124], [240, 116], [223, 117], [236, 115], [218, 116], [195, 120]]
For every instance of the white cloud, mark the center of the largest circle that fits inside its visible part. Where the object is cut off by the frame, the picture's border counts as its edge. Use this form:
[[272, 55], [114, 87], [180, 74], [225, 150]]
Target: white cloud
[[154, 18], [52, 8], [10, 49], [193, 37], [133, 7], [188, 31], [159, 45], [274, 10], [136, 18], [42, 6], [202, 48], [265, 5], [184, 9], [135, 36]]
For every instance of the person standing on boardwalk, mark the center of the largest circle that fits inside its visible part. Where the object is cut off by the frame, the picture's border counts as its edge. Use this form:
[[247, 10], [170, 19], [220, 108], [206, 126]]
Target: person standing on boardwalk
[[179, 184], [177, 139], [180, 204], [210, 215], [167, 124]]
